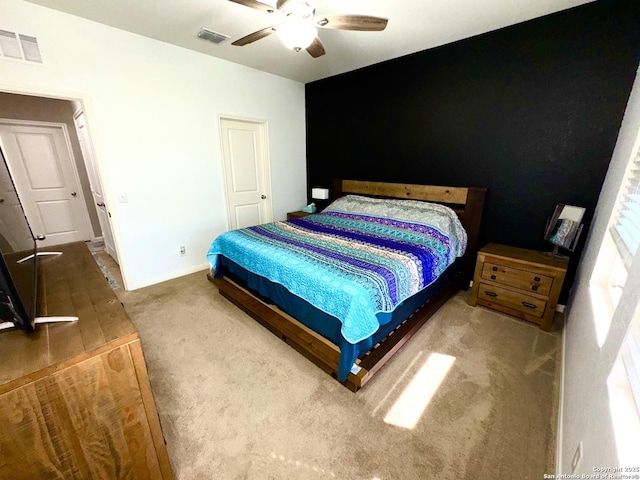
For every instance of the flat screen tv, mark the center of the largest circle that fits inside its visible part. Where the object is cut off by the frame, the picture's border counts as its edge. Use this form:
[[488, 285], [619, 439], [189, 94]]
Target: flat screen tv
[[18, 259]]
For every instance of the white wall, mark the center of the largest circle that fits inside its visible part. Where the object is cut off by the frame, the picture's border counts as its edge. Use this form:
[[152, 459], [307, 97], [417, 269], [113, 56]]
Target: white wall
[[585, 407], [152, 110]]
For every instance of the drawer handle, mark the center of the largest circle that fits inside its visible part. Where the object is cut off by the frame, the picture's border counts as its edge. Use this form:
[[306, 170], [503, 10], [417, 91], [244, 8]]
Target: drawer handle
[[537, 279], [495, 269], [493, 277], [534, 288], [529, 305], [491, 294]]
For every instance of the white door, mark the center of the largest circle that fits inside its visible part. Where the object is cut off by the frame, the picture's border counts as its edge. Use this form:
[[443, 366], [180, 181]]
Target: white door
[[246, 166], [96, 185], [45, 176]]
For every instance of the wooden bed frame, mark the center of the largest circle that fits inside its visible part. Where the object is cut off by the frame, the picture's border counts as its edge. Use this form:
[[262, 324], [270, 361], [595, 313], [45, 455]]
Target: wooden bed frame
[[468, 203]]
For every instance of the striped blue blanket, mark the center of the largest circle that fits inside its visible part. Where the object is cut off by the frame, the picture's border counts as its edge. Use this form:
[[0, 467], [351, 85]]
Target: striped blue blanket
[[349, 265]]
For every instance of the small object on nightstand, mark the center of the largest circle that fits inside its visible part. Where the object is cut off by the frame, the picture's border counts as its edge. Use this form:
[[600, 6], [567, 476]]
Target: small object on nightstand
[[521, 282], [298, 214], [319, 193], [564, 228], [311, 208]]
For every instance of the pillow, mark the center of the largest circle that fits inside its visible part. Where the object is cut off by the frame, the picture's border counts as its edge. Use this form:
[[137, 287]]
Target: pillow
[[440, 217]]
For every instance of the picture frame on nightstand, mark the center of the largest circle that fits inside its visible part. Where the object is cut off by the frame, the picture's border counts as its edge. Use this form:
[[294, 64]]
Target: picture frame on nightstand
[[564, 228]]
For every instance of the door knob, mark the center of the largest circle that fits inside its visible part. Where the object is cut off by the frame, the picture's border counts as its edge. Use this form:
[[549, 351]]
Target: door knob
[[73, 194], [101, 204], [263, 197]]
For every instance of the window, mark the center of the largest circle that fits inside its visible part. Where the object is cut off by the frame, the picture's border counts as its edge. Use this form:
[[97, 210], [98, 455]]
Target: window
[[618, 248], [619, 251], [626, 228]]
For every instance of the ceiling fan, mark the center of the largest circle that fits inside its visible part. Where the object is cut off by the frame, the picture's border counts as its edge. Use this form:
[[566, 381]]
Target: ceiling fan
[[298, 28]]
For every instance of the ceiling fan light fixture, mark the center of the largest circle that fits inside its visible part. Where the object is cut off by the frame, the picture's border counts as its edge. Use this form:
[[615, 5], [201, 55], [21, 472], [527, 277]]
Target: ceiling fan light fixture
[[297, 34]]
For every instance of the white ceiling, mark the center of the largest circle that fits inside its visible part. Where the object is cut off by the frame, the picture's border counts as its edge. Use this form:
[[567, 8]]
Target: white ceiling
[[414, 25]]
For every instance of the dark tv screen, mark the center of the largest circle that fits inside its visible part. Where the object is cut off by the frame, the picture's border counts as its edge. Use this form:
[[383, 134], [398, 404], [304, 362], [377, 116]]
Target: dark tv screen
[[18, 259]]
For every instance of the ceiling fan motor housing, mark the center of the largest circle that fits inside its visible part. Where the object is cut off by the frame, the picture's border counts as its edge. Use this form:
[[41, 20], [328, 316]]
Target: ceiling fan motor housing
[[297, 8]]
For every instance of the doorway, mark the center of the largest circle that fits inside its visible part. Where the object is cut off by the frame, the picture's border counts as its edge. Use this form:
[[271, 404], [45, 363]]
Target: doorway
[[40, 109]]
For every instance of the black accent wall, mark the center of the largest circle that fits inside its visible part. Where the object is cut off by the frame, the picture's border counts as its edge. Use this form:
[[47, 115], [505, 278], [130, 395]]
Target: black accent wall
[[531, 112]]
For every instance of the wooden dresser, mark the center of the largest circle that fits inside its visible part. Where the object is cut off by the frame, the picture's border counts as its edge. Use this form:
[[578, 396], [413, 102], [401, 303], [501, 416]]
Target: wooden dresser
[[521, 282], [75, 399]]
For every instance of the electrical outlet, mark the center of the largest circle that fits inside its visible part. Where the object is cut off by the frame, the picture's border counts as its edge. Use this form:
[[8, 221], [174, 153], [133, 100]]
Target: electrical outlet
[[183, 250], [575, 461]]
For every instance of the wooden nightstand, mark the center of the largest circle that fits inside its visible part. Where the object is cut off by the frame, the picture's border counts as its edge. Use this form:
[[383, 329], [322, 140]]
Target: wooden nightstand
[[523, 283], [298, 214]]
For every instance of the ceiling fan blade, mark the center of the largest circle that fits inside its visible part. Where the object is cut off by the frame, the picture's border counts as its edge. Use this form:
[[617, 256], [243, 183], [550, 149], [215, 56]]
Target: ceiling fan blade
[[255, 4], [316, 49], [363, 23], [252, 37]]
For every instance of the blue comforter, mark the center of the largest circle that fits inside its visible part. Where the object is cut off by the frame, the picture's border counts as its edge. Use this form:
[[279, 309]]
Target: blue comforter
[[348, 262]]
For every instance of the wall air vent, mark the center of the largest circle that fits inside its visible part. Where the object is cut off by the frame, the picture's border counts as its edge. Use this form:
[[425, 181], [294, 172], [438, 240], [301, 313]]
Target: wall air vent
[[30, 48], [17, 46], [211, 36]]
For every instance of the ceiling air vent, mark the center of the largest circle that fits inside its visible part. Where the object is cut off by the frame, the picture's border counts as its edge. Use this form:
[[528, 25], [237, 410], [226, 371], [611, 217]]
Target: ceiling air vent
[[211, 36], [19, 47]]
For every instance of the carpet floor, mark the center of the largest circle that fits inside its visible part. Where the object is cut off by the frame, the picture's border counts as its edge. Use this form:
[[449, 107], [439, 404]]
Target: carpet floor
[[472, 396]]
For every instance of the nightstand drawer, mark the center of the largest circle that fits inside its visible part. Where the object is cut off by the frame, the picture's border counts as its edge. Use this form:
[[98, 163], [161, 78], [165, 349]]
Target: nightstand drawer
[[509, 298], [530, 281]]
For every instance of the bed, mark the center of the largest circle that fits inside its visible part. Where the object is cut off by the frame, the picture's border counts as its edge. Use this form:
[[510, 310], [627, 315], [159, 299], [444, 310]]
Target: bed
[[347, 287]]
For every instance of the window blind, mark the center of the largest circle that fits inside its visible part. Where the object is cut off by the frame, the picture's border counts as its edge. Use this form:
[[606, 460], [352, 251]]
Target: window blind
[[626, 228], [626, 236]]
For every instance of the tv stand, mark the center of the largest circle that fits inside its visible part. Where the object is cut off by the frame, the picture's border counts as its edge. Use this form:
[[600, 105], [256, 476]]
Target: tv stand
[[41, 320], [39, 254], [79, 391], [55, 319]]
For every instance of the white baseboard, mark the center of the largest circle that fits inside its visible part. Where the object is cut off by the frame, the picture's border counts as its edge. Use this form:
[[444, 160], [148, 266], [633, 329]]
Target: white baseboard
[[560, 406], [175, 274]]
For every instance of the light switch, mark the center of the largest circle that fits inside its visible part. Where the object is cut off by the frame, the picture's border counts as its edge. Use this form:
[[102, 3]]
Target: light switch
[[122, 197]]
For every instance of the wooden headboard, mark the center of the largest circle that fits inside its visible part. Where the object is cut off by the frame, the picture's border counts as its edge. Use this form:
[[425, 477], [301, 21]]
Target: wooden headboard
[[467, 202]]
